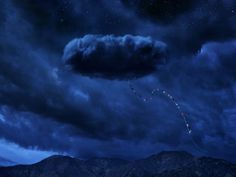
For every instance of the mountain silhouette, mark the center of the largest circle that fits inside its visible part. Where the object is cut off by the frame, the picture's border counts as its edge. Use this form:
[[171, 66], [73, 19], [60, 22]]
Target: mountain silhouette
[[164, 164]]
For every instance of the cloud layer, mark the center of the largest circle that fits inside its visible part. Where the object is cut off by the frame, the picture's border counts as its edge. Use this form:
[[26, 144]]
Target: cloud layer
[[113, 57], [48, 108]]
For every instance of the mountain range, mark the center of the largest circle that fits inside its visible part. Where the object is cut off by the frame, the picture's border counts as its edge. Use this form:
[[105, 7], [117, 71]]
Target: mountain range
[[164, 164]]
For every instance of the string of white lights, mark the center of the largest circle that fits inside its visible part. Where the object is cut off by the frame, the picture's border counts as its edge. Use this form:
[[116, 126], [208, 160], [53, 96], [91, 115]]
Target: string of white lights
[[183, 115], [156, 91]]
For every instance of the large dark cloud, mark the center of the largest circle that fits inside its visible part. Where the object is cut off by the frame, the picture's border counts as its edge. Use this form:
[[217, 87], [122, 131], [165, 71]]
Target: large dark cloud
[[114, 57]]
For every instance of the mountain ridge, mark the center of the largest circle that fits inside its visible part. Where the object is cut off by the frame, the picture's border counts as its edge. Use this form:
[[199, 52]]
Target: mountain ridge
[[164, 164]]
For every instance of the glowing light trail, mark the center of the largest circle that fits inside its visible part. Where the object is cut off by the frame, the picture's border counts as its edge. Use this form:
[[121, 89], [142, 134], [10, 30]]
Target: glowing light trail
[[156, 91]]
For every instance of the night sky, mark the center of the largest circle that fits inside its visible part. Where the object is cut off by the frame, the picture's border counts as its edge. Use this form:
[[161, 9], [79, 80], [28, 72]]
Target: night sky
[[66, 68]]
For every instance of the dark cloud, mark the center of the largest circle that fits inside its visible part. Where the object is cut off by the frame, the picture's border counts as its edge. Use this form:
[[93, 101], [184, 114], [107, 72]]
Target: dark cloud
[[113, 57], [158, 10]]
